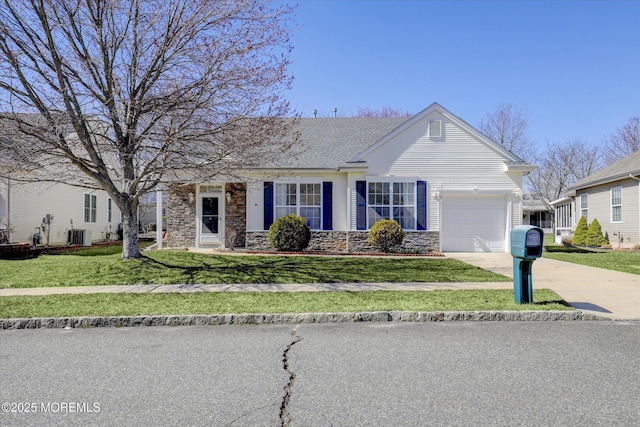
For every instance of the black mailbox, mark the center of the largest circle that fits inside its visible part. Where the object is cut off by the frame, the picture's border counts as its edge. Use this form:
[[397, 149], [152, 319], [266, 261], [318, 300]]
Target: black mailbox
[[526, 242]]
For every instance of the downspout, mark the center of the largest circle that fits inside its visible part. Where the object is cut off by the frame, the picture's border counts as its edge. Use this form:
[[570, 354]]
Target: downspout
[[159, 224], [9, 210], [637, 179]]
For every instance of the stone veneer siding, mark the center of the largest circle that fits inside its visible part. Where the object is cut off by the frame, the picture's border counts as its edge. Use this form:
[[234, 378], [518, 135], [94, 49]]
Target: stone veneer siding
[[181, 215], [235, 215], [352, 241], [414, 242]]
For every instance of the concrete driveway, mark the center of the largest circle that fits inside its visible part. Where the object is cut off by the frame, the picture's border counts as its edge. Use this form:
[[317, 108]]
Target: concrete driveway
[[590, 289]]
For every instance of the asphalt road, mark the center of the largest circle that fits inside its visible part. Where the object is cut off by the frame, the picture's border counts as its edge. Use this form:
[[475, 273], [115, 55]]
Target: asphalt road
[[391, 374]]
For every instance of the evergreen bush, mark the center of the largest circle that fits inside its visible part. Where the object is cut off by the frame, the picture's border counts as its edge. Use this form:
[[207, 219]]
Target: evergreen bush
[[289, 233], [594, 235], [580, 235], [386, 234]]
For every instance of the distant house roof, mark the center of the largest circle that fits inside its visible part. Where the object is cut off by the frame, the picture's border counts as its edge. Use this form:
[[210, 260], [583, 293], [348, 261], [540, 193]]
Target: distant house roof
[[330, 143], [621, 169], [531, 203]]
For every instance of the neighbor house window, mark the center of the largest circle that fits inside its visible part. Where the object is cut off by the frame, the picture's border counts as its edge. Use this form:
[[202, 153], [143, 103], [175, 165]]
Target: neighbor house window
[[90, 207], [584, 206], [395, 201], [616, 204], [109, 211], [563, 217], [304, 200]]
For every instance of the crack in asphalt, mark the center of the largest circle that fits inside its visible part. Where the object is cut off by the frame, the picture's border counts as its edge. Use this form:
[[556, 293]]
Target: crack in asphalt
[[285, 417]]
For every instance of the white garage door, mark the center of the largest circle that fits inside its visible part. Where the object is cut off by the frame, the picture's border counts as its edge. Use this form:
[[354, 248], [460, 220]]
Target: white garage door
[[473, 224]]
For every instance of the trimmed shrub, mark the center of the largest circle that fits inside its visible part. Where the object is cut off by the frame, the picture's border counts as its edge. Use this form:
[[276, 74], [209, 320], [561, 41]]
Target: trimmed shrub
[[566, 240], [594, 235], [289, 233], [580, 235], [386, 234]]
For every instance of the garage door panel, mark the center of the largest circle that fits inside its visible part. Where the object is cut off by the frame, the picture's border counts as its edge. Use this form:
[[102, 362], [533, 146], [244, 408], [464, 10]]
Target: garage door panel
[[473, 224]]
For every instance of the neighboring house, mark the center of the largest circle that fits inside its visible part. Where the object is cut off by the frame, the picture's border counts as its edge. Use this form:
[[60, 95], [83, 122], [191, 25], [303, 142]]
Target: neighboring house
[[535, 212], [55, 212], [59, 213], [448, 185], [612, 195]]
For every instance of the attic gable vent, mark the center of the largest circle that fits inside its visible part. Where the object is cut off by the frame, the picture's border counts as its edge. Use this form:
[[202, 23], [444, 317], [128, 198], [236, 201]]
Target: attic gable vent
[[435, 128]]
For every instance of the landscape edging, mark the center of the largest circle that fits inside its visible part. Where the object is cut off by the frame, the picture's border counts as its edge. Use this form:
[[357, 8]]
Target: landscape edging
[[292, 318]]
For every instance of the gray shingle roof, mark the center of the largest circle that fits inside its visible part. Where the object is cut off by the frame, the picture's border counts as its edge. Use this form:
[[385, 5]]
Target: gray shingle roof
[[332, 142], [615, 171]]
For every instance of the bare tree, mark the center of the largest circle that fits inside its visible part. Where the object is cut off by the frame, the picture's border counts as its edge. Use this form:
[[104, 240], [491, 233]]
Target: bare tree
[[623, 142], [385, 112], [559, 166], [126, 94], [508, 126]]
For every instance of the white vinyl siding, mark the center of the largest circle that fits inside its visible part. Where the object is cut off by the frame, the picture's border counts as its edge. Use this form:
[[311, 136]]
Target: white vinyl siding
[[30, 202], [456, 162]]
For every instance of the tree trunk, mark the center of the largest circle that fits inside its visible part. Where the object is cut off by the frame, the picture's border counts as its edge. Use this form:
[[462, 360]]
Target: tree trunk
[[130, 248]]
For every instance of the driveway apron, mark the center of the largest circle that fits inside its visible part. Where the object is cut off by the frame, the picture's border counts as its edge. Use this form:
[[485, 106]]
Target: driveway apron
[[594, 290]]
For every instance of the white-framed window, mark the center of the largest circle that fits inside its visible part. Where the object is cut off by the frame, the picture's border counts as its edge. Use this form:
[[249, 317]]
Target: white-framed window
[[392, 200], [109, 210], [90, 207], [301, 199], [584, 206], [616, 204]]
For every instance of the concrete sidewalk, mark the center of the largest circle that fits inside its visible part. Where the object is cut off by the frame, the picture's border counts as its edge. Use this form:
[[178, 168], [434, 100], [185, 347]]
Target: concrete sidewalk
[[252, 287], [593, 290]]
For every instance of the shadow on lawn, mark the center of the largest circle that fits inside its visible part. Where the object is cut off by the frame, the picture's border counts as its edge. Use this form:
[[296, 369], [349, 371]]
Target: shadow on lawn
[[245, 270]]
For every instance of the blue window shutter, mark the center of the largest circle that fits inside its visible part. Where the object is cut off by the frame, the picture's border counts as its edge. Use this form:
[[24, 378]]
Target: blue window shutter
[[327, 214], [361, 205], [268, 205], [422, 205]]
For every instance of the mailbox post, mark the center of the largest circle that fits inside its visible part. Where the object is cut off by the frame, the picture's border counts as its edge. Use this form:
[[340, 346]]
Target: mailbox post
[[526, 247]]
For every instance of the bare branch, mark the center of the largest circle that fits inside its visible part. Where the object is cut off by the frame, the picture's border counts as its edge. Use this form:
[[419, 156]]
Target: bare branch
[[623, 142], [127, 94]]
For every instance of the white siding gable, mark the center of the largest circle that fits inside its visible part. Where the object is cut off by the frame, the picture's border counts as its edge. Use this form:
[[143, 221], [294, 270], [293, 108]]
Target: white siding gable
[[456, 160]]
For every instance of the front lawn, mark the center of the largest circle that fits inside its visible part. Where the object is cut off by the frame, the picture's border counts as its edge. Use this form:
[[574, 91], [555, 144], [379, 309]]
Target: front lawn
[[169, 267], [625, 261], [272, 302]]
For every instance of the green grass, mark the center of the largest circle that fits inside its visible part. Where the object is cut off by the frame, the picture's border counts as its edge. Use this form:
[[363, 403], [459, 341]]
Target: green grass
[[169, 267], [627, 262], [272, 302]]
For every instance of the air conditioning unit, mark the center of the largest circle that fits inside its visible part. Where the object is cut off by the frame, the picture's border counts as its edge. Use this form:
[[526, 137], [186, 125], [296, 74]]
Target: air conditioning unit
[[88, 238], [80, 237]]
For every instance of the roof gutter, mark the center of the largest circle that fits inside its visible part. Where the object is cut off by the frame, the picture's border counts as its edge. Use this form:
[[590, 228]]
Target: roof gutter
[[603, 181]]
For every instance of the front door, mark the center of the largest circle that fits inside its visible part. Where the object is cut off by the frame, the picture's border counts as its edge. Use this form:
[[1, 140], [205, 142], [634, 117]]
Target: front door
[[210, 217]]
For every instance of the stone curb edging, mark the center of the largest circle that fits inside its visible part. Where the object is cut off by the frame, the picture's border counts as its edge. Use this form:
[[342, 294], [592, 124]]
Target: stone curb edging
[[293, 318]]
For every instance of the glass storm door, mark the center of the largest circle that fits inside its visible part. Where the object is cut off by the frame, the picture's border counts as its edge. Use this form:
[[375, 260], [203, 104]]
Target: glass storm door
[[210, 216]]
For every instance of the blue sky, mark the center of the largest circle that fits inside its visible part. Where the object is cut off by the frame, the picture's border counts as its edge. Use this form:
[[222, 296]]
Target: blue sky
[[573, 66]]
